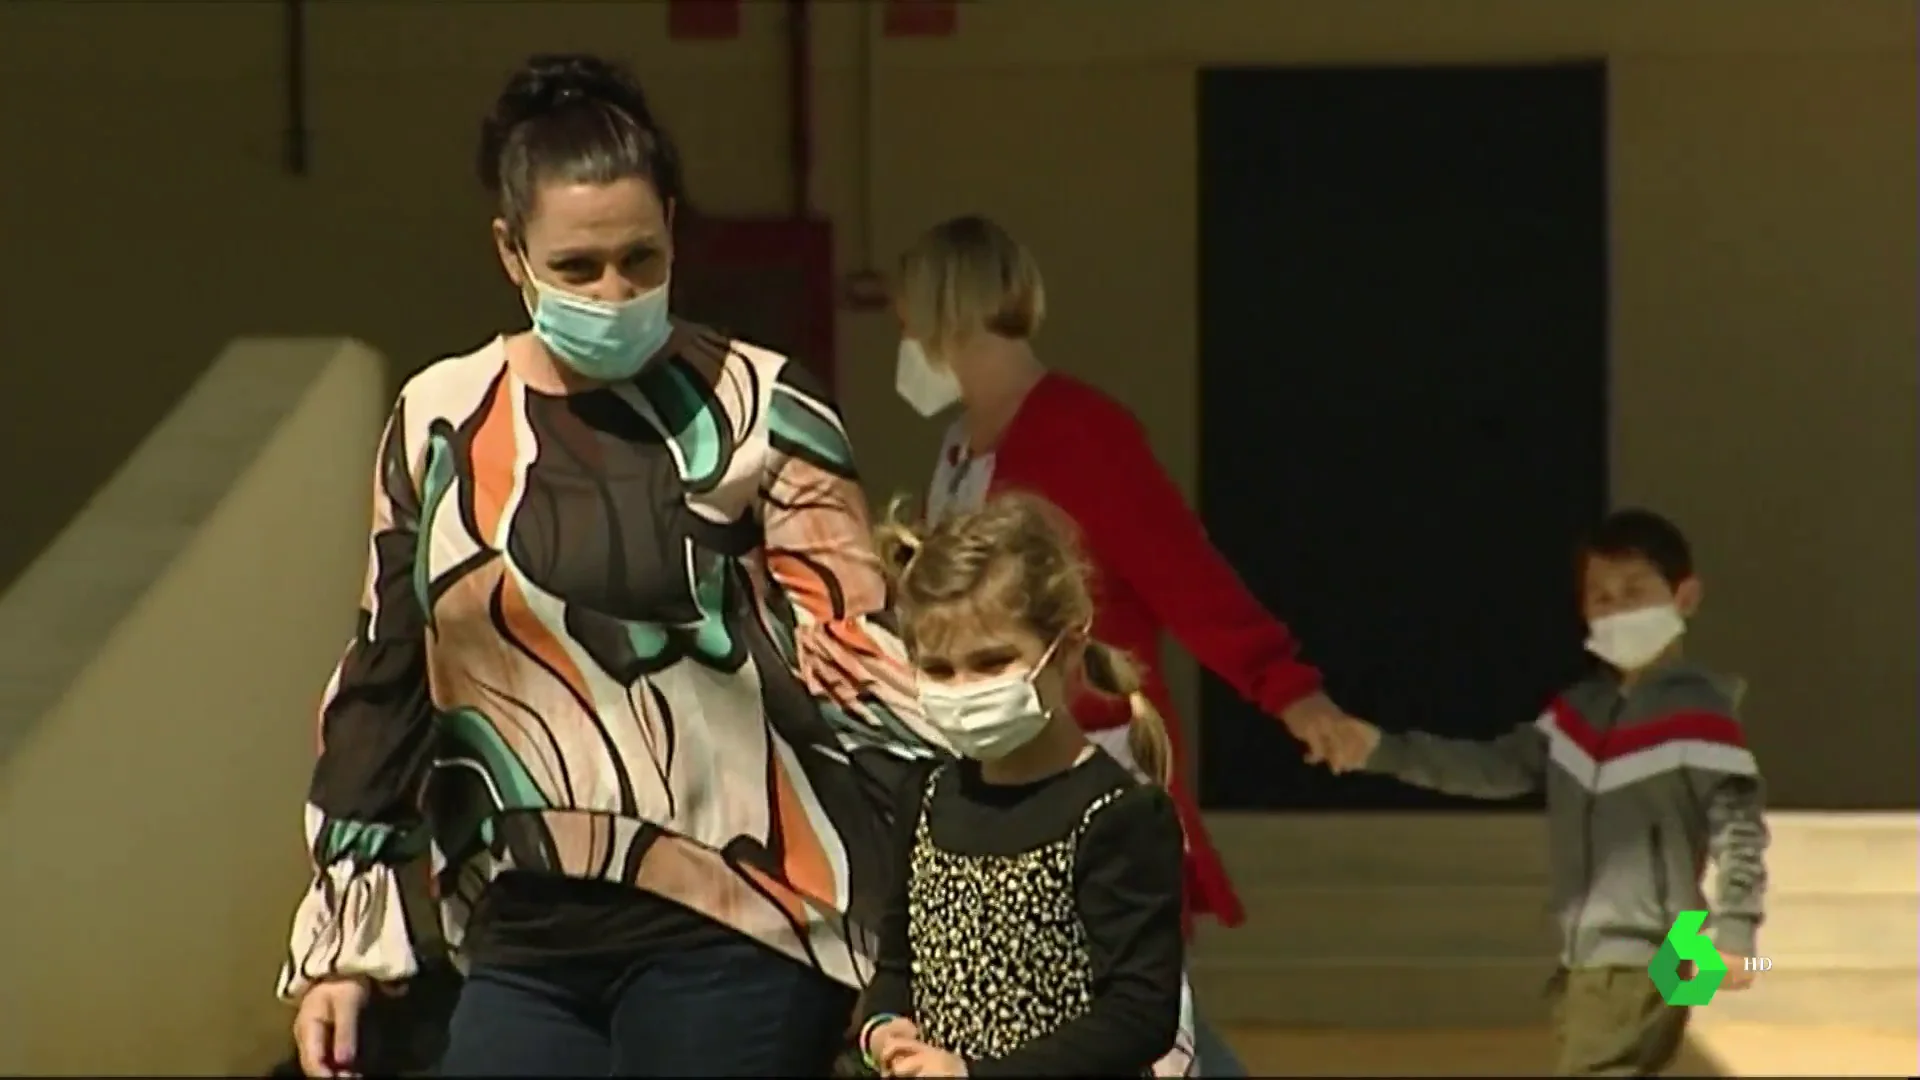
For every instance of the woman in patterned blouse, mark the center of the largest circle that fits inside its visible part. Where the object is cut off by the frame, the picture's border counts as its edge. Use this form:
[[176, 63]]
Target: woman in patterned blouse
[[618, 684]]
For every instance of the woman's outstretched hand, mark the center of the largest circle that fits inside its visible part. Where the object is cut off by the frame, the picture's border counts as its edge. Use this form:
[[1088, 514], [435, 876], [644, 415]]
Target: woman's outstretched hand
[[1334, 739], [1349, 742]]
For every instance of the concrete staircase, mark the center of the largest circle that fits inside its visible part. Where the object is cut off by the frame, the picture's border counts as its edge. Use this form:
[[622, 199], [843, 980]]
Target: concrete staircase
[[1424, 922]]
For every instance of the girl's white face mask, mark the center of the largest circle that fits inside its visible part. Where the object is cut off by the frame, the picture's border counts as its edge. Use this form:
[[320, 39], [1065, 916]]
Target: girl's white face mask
[[1630, 640], [987, 718]]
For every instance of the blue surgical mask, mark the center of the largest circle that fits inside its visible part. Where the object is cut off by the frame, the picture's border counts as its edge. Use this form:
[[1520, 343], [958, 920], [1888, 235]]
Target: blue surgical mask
[[609, 342]]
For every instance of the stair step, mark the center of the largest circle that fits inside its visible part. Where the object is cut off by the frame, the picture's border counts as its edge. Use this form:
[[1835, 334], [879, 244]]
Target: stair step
[[1887, 998], [1843, 853], [1719, 1050], [1328, 923], [1418, 921], [1373, 994], [1414, 922], [1386, 848], [1466, 993], [1824, 852], [1876, 927]]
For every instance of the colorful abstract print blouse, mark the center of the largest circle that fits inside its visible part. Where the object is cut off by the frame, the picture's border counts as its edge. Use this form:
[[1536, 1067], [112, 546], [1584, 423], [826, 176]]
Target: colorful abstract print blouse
[[632, 634]]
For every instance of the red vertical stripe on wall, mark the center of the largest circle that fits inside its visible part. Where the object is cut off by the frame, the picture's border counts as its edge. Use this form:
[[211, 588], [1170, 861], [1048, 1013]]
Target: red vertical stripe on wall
[[705, 20], [921, 18]]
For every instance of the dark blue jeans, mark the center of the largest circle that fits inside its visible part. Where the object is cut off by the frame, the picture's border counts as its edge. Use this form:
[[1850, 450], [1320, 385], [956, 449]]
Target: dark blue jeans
[[734, 1009]]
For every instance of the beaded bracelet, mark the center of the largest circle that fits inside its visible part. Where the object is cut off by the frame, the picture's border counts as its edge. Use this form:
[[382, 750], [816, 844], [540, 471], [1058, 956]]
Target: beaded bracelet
[[874, 1023]]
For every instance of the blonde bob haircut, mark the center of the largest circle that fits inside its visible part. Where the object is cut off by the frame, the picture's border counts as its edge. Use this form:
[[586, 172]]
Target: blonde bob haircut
[[964, 276]]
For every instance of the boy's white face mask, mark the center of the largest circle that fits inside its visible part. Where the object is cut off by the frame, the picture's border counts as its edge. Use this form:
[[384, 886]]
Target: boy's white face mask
[[1630, 640]]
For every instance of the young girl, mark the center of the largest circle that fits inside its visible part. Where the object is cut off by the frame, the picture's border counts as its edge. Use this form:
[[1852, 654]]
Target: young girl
[[1036, 928]]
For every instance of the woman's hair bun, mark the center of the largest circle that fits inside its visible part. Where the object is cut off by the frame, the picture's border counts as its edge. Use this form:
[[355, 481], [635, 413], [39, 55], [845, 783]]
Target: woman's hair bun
[[549, 83], [556, 84]]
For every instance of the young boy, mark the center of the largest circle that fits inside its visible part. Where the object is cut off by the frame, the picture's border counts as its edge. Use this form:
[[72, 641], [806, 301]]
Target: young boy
[[1647, 776]]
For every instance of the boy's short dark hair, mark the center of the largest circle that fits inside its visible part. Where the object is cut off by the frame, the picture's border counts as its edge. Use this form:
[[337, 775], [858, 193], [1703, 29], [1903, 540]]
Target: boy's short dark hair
[[1642, 534]]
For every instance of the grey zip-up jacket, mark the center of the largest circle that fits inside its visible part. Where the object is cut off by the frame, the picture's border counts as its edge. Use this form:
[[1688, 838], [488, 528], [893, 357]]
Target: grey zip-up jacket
[[1643, 788]]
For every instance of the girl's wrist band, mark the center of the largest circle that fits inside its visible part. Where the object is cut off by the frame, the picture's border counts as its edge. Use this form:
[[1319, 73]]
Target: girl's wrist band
[[867, 1029]]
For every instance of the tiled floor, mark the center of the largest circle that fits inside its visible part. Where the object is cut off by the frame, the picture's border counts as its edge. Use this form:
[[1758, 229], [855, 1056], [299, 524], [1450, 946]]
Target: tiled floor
[[1723, 1050]]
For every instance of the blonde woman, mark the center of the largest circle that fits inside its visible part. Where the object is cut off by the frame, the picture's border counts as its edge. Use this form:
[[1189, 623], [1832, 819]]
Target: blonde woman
[[970, 301]]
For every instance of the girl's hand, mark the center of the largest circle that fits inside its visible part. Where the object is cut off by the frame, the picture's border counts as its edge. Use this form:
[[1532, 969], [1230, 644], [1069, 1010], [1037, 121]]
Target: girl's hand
[[919, 1059], [890, 1040]]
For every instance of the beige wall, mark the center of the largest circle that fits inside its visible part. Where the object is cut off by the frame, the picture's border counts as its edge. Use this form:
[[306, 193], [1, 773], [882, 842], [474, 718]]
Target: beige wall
[[150, 855], [1764, 222]]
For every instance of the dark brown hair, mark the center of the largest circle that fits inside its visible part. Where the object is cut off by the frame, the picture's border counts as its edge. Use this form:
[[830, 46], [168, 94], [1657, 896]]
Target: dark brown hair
[[1634, 533], [575, 119]]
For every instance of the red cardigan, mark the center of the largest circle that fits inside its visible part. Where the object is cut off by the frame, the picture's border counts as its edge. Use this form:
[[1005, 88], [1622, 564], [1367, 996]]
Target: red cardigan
[[1153, 570]]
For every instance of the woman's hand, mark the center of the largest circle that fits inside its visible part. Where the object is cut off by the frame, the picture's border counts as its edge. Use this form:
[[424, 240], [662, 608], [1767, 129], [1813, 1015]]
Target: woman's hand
[[326, 1026], [1324, 727], [1348, 744]]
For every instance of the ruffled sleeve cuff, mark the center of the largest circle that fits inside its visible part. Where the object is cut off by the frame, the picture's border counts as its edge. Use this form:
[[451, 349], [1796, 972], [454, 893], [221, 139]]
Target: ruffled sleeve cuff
[[352, 922]]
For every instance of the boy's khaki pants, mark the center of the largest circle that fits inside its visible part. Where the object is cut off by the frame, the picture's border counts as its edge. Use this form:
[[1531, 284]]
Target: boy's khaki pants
[[1610, 1021]]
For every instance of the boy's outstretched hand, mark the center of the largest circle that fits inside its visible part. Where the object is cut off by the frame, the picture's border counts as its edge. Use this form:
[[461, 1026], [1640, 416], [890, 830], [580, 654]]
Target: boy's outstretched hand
[[1342, 745], [1737, 976]]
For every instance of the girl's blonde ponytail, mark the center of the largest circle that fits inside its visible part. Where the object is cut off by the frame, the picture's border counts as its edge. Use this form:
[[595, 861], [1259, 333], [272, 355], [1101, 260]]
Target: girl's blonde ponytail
[[1113, 672], [896, 542]]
